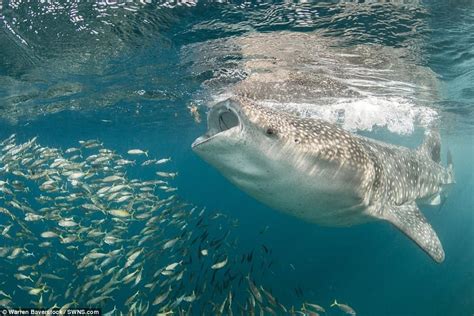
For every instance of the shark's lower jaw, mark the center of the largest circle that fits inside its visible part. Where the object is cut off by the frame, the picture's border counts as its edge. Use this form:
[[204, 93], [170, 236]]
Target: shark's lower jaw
[[221, 118]]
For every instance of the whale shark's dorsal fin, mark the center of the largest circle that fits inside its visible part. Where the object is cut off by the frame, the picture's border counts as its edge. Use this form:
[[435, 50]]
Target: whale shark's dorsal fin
[[412, 222], [432, 146]]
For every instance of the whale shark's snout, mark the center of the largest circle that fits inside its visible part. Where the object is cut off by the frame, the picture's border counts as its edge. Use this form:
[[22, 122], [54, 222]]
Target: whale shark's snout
[[223, 118]]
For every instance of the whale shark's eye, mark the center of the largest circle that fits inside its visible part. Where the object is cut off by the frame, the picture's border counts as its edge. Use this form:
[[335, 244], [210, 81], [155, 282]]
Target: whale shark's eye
[[270, 131]]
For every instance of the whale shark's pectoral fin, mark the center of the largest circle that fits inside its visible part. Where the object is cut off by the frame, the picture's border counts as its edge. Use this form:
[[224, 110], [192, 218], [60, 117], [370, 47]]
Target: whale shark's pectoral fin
[[412, 222]]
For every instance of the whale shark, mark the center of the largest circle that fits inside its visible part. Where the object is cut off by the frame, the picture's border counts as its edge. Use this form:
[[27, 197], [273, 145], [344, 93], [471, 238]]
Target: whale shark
[[321, 173]]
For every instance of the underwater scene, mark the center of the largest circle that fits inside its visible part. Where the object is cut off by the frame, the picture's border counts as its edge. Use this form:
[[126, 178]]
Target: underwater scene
[[193, 157]]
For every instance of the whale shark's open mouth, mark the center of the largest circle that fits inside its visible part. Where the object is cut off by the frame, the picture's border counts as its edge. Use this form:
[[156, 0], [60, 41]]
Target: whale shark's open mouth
[[221, 118], [227, 120]]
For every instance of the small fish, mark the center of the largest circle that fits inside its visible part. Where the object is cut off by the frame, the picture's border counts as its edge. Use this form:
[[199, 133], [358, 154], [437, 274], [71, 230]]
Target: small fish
[[30, 217], [162, 161], [20, 276], [166, 174], [49, 234], [190, 298], [269, 296], [60, 255], [22, 268], [42, 260], [119, 213], [123, 162], [71, 150], [91, 207], [37, 291], [6, 230], [110, 240], [170, 243], [194, 111], [344, 307], [219, 265], [117, 188], [172, 266], [68, 239], [148, 162], [255, 291], [161, 298], [129, 277], [76, 175], [113, 178], [67, 223], [123, 198], [51, 276], [131, 298], [5, 302], [167, 272], [131, 259], [137, 152], [96, 300], [138, 278], [96, 255], [315, 307], [112, 312]]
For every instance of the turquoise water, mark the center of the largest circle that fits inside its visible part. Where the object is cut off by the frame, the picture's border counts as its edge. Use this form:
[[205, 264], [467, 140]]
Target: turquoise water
[[127, 73]]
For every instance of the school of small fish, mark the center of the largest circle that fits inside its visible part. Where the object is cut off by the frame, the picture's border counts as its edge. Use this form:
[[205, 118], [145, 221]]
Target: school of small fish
[[77, 231]]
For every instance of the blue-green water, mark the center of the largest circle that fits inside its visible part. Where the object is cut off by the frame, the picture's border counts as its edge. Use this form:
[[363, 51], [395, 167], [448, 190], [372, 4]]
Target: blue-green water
[[125, 73]]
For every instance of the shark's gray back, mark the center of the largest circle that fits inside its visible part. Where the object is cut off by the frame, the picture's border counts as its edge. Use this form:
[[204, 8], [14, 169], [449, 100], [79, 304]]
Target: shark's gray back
[[390, 174]]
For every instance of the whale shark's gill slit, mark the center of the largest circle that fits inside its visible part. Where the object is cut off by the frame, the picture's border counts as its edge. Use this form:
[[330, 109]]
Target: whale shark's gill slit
[[227, 120]]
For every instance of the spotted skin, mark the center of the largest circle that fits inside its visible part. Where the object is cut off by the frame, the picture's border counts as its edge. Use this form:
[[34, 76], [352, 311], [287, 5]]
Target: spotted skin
[[317, 171]]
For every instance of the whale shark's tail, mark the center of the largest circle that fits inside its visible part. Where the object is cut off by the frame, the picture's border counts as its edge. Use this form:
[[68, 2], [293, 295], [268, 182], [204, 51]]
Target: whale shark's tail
[[431, 146]]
